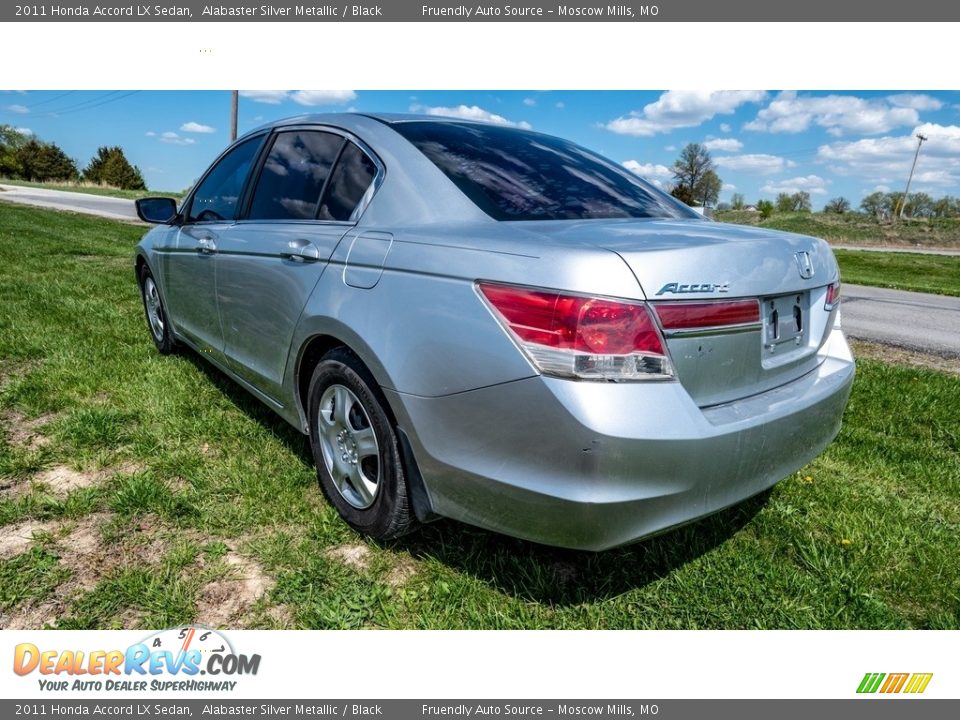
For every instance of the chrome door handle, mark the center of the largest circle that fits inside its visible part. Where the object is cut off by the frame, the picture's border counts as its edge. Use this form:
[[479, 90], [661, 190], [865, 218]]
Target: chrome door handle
[[206, 245], [300, 251]]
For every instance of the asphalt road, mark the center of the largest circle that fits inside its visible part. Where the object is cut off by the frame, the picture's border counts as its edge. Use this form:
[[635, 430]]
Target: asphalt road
[[108, 207], [917, 321]]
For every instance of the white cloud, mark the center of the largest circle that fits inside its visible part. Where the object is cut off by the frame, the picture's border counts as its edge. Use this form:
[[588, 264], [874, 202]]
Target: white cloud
[[728, 187], [529, 102], [19, 109], [838, 114], [723, 144], [24, 130], [173, 139], [150, 133], [879, 188], [757, 164], [680, 109], [671, 148], [309, 98], [813, 184], [312, 98], [469, 112], [270, 97], [195, 127], [725, 127], [659, 175], [560, 105], [882, 159], [915, 101]]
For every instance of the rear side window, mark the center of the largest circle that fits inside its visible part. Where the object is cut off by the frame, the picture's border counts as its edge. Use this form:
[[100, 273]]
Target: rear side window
[[351, 180], [513, 174], [217, 196], [293, 175]]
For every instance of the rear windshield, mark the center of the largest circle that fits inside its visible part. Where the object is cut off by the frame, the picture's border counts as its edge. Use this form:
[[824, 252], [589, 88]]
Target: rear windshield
[[518, 175]]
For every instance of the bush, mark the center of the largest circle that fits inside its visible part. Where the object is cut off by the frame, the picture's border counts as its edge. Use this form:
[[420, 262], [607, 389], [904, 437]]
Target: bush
[[111, 167], [42, 161]]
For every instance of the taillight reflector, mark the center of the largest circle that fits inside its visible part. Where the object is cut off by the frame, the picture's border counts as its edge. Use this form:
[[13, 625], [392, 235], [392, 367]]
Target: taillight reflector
[[698, 315]]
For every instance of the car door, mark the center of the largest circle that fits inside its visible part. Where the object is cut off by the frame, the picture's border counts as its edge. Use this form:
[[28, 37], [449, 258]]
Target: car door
[[301, 205], [189, 268]]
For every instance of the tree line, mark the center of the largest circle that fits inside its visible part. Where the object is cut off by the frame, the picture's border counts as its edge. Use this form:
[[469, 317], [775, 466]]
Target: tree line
[[695, 182], [25, 157]]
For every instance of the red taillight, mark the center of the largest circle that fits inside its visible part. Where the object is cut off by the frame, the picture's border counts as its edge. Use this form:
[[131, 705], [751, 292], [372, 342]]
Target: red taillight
[[581, 336], [833, 295], [698, 315]]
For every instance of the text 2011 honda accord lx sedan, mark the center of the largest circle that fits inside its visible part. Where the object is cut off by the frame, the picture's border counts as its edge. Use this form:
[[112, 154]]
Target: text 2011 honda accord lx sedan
[[499, 326]]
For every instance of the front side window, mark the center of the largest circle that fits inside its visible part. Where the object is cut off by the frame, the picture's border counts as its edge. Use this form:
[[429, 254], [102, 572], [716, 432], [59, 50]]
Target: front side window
[[514, 174], [217, 196], [293, 175], [350, 182]]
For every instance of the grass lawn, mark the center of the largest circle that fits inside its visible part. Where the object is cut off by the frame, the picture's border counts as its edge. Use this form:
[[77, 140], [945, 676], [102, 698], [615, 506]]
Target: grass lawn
[[144, 491], [904, 271], [855, 228], [91, 189]]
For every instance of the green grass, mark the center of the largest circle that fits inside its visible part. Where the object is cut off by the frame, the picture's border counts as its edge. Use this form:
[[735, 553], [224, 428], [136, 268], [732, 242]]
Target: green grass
[[195, 473], [903, 271], [91, 189], [855, 228]]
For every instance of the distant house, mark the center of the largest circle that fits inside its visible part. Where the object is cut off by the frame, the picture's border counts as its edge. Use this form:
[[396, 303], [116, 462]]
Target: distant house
[[751, 208]]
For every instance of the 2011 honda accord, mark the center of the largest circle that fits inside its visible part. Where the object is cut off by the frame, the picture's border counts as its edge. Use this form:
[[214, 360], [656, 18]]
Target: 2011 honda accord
[[499, 326]]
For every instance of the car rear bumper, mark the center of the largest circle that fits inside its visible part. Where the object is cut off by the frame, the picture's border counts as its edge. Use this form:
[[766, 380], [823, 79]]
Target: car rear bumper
[[595, 465]]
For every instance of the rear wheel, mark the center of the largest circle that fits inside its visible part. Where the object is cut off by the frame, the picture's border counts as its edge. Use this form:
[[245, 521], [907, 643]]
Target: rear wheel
[[355, 448], [155, 313]]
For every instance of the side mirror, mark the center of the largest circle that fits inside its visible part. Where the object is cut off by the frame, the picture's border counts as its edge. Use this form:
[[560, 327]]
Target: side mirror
[[157, 210]]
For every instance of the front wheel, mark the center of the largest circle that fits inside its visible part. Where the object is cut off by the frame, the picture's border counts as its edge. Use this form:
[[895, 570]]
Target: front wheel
[[355, 448]]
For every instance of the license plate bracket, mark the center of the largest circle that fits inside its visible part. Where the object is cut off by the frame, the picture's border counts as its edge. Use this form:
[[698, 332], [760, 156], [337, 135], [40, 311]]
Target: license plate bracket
[[785, 322]]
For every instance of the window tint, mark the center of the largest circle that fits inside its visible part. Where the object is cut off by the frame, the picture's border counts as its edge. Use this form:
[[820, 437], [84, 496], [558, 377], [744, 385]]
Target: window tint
[[217, 196], [293, 175], [351, 179], [518, 175]]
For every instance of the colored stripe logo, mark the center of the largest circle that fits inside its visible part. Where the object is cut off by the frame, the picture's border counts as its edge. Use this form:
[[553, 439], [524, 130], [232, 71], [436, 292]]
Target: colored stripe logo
[[913, 683]]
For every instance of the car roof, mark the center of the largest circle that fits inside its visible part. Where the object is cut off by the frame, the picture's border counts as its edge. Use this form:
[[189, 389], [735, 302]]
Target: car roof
[[350, 120]]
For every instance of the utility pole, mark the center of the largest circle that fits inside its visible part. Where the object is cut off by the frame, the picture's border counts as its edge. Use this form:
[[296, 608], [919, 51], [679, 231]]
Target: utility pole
[[234, 101], [906, 193]]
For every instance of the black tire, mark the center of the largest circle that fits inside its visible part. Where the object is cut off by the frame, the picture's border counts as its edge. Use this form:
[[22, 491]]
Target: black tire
[[160, 334], [389, 514]]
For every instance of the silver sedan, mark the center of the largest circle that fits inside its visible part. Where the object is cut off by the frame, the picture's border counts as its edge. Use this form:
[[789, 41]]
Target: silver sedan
[[498, 326]]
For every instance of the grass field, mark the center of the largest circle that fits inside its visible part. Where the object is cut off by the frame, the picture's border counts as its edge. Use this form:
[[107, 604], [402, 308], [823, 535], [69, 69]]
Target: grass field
[[91, 189], [146, 491], [856, 229], [938, 274]]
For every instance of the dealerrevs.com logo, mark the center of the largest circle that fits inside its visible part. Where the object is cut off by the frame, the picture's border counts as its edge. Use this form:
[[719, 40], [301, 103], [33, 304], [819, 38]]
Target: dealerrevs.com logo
[[890, 683], [181, 659]]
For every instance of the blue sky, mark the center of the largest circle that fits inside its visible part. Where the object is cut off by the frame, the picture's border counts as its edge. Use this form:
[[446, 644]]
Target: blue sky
[[827, 143]]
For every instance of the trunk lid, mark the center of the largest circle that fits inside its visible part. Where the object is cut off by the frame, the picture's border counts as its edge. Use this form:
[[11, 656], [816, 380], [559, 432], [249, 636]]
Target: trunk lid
[[678, 261]]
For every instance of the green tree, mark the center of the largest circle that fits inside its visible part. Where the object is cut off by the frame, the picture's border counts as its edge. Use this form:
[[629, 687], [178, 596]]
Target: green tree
[[801, 201], [784, 202], [42, 161], [738, 202], [766, 208], [11, 141], [838, 205], [920, 205], [111, 167], [695, 176], [876, 203], [707, 191]]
